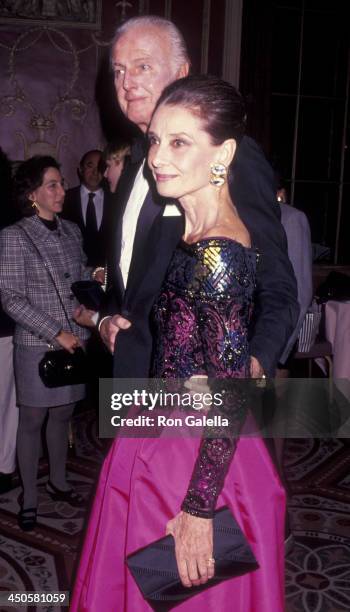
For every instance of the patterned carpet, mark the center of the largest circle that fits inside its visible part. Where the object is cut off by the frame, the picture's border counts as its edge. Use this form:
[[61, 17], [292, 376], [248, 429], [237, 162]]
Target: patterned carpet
[[44, 559], [317, 569]]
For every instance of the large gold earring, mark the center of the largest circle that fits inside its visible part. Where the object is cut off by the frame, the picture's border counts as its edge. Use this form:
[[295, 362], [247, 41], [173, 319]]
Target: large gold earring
[[218, 174], [35, 205]]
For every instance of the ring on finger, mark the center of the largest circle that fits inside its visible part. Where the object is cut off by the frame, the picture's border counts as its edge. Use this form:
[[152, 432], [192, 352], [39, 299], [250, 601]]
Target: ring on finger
[[211, 561]]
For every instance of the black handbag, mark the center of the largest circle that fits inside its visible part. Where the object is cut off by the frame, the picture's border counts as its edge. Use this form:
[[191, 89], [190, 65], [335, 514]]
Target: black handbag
[[59, 368], [154, 567], [89, 293]]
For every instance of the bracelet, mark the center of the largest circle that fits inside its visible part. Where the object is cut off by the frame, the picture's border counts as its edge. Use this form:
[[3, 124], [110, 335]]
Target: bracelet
[[103, 319], [198, 513], [98, 269]]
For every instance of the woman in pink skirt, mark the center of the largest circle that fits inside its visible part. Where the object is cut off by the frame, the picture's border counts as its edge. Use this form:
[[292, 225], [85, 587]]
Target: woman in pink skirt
[[152, 486]]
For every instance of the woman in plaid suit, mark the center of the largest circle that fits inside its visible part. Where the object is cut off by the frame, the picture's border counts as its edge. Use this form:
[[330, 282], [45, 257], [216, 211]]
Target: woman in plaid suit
[[37, 244]]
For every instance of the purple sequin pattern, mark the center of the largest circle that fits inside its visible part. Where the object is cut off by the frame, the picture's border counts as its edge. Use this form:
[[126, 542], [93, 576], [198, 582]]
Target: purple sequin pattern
[[202, 317]]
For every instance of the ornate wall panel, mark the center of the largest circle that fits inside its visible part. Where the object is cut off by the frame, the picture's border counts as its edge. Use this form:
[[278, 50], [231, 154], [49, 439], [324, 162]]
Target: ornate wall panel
[[47, 101], [56, 93], [67, 13]]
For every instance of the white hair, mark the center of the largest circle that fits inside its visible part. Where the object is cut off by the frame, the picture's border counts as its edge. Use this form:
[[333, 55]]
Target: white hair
[[179, 49]]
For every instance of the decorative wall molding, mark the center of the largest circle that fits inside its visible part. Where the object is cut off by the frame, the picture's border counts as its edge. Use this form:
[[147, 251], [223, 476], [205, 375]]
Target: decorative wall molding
[[143, 7], [47, 100], [232, 41], [205, 36], [123, 5], [55, 97], [39, 120], [64, 13], [41, 146], [167, 9]]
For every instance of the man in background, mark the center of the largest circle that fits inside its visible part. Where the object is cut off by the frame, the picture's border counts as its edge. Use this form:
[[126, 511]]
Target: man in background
[[86, 206], [299, 244]]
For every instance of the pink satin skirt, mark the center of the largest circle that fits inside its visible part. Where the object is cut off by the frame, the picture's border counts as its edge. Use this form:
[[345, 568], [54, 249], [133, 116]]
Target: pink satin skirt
[[141, 487]]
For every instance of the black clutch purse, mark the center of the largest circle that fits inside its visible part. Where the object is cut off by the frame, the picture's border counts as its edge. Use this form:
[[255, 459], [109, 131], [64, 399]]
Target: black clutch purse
[[61, 368], [89, 293], [154, 567]]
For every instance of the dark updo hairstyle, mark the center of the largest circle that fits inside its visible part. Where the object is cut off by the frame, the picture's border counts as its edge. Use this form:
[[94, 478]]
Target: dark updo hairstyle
[[30, 176], [217, 103]]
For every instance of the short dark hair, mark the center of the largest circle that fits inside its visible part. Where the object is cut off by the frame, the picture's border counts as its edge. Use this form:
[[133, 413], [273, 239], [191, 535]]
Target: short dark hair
[[82, 161], [218, 104], [30, 176]]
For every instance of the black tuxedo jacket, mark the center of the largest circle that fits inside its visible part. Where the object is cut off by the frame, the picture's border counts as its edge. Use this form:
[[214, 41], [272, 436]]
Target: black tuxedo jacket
[[96, 249], [276, 306]]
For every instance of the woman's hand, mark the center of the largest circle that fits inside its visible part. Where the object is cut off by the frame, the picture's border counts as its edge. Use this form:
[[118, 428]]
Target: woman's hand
[[109, 328], [68, 341], [83, 316], [193, 548], [198, 383]]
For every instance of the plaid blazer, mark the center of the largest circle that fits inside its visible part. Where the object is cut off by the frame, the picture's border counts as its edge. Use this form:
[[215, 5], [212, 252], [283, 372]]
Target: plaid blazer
[[26, 289]]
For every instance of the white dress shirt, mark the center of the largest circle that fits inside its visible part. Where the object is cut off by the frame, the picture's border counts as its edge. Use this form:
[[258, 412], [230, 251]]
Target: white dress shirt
[[130, 218], [98, 203]]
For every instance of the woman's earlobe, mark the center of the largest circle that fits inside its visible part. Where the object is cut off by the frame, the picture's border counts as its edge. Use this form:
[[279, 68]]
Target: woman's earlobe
[[228, 151]]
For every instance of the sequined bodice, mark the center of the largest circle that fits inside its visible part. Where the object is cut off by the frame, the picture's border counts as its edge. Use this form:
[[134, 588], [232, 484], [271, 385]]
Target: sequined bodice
[[203, 310], [202, 316]]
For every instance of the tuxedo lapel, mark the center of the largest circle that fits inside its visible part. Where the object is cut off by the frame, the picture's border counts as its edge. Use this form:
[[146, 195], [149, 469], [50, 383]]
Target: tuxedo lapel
[[154, 245], [143, 245], [106, 214], [126, 184], [122, 195], [155, 239]]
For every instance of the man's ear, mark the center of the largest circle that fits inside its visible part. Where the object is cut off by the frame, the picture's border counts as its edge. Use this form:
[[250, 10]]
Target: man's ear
[[183, 70], [227, 151]]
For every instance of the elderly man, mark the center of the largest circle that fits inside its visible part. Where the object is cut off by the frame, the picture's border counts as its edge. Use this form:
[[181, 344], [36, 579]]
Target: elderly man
[[148, 53]]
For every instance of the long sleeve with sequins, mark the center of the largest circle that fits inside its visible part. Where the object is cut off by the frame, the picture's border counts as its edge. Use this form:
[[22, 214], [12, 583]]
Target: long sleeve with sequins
[[222, 323], [201, 319]]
